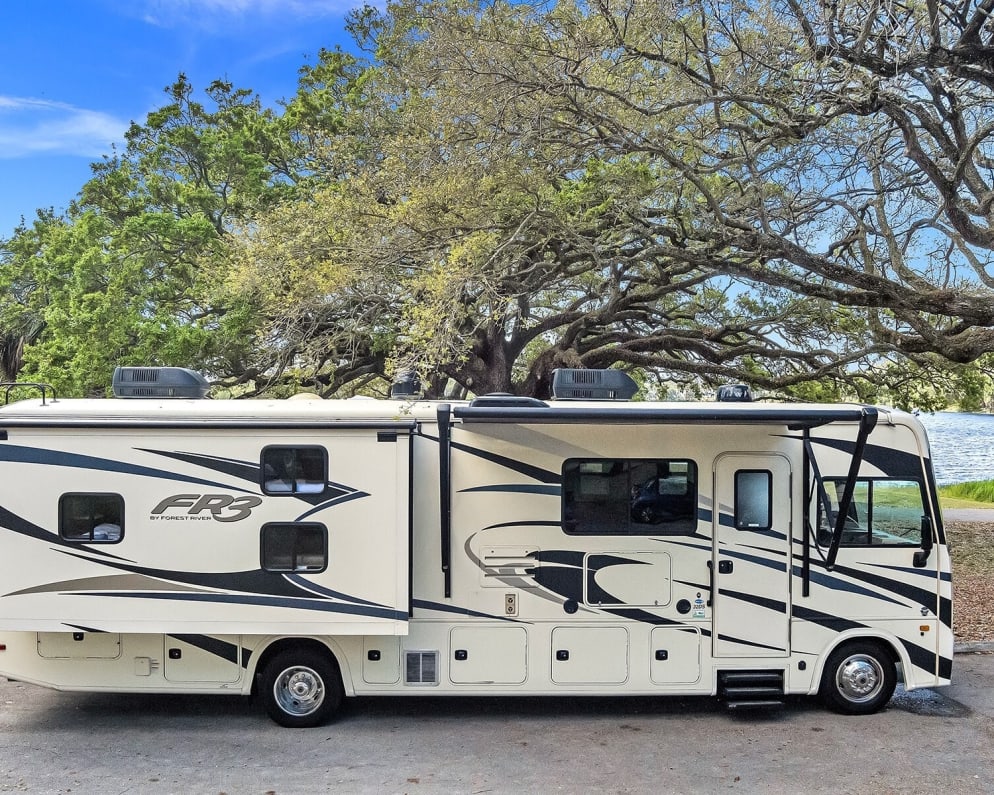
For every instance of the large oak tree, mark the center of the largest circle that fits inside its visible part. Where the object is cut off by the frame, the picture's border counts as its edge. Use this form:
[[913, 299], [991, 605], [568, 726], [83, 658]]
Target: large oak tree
[[704, 190], [796, 194]]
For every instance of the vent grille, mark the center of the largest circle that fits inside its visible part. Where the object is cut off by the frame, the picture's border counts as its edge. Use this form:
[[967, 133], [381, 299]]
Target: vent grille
[[158, 382], [139, 375], [582, 376], [592, 385], [421, 668]]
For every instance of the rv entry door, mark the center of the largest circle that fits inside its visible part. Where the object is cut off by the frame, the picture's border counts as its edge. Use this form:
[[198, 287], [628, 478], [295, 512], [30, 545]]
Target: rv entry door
[[751, 558]]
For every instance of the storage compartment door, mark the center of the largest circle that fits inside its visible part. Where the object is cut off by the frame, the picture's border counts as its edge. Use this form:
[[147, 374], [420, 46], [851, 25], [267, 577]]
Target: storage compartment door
[[488, 655], [203, 658], [589, 655]]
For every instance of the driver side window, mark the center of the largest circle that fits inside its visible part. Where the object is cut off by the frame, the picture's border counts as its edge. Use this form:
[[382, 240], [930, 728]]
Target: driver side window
[[883, 512]]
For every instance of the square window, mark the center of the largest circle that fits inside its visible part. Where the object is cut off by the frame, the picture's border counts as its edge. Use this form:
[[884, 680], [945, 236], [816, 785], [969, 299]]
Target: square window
[[294, 546], [294, 470], [91, 518]]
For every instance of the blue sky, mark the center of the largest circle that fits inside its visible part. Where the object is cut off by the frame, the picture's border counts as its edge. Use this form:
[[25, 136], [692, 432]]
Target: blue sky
[[75, 73]]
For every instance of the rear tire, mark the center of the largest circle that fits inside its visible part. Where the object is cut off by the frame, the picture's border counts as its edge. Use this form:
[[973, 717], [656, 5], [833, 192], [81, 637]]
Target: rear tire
[[859, 678], [301, 688]]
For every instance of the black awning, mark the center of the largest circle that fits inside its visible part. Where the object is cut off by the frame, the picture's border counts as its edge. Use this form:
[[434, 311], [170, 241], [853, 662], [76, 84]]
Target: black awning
[[793, 417]]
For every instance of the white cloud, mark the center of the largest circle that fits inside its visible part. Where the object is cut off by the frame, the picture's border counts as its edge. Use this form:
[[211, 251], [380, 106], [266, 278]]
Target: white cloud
[[31, 126]]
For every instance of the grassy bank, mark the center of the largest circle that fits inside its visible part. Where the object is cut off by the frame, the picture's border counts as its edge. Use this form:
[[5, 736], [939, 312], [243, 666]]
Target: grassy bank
[[976, 494]]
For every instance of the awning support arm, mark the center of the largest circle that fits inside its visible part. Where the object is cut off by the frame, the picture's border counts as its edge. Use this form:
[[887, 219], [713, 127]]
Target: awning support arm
[[808, 463], [866, 424], [445, 493]]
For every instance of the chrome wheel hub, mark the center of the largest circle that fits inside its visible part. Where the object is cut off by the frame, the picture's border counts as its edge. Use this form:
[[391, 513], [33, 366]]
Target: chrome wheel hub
[[299, 690], [859, 678]]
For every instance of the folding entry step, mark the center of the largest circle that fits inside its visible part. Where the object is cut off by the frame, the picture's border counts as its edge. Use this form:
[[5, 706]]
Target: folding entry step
[[746, 689]]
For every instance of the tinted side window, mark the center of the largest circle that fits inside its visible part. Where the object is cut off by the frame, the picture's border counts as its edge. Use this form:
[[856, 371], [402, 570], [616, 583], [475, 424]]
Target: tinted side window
[[753, 499], [294, 470], [294, 546], [629, 496], [91, 518]]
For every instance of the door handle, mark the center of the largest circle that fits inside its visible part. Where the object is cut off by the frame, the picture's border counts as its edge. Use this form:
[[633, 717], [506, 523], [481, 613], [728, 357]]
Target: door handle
[[724, 567]]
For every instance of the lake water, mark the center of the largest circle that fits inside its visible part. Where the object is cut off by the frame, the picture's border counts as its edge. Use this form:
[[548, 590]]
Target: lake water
[[962, 445]]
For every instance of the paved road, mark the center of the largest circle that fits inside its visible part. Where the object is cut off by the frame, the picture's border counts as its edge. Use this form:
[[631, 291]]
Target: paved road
[[924, 742], [968, 514]]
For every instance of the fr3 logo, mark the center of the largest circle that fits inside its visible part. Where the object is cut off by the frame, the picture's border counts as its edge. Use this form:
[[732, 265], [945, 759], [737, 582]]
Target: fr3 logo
[[221, 507]]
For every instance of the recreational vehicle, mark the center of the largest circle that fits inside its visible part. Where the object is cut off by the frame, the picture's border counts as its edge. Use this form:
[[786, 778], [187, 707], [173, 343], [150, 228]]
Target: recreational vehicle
[[308, 550]]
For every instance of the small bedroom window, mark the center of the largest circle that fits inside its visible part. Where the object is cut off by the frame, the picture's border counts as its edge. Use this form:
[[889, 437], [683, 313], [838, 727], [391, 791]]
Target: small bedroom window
[[294, 546], [294, 470], [91, 518]]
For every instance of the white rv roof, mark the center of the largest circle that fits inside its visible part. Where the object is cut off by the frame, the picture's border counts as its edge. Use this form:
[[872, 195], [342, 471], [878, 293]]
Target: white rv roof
[[157, 411], [369, 412]]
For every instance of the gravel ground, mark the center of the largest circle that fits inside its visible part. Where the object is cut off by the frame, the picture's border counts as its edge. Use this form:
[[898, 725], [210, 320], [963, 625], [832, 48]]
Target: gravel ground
[[972, 549]]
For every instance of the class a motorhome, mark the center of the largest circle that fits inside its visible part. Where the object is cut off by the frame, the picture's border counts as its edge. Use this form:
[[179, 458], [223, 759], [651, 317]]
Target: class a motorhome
[[308, 550]]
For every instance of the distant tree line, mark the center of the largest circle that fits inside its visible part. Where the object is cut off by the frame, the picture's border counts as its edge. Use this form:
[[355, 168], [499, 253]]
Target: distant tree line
[[796, 194]]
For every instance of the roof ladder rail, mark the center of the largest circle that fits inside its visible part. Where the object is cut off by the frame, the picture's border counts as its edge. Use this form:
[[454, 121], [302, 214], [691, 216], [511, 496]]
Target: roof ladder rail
[[45, 390]]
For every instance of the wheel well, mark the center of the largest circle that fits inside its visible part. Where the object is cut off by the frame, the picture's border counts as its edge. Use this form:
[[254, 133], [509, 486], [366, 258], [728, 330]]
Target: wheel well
[[298, 644], [883, 643], [856, 640], [859, 676]]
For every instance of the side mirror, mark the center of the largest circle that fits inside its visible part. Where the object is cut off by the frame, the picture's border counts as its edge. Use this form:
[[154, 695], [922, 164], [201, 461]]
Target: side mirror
[[921, 555]]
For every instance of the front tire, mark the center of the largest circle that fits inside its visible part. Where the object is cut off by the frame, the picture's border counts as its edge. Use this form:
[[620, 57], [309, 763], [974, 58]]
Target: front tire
[[301, 688], [859, 678]]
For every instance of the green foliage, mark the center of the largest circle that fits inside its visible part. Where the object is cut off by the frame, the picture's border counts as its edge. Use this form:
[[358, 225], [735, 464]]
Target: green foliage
[[974, 491], [931, 384], [826, 391], [698, 193], [133, 273]]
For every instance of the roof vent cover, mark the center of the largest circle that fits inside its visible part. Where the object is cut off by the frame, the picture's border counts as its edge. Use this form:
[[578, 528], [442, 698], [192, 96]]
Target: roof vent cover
[[592, 385], [734, 393], [158, 382], [406, 386]]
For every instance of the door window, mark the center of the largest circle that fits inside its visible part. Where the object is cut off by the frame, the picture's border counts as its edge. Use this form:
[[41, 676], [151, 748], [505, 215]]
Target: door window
[[753, 499]]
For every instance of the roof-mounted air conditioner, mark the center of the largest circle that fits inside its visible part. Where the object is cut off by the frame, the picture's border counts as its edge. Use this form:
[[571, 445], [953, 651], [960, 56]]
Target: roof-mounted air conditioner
[[592, 385], [159, 382]]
